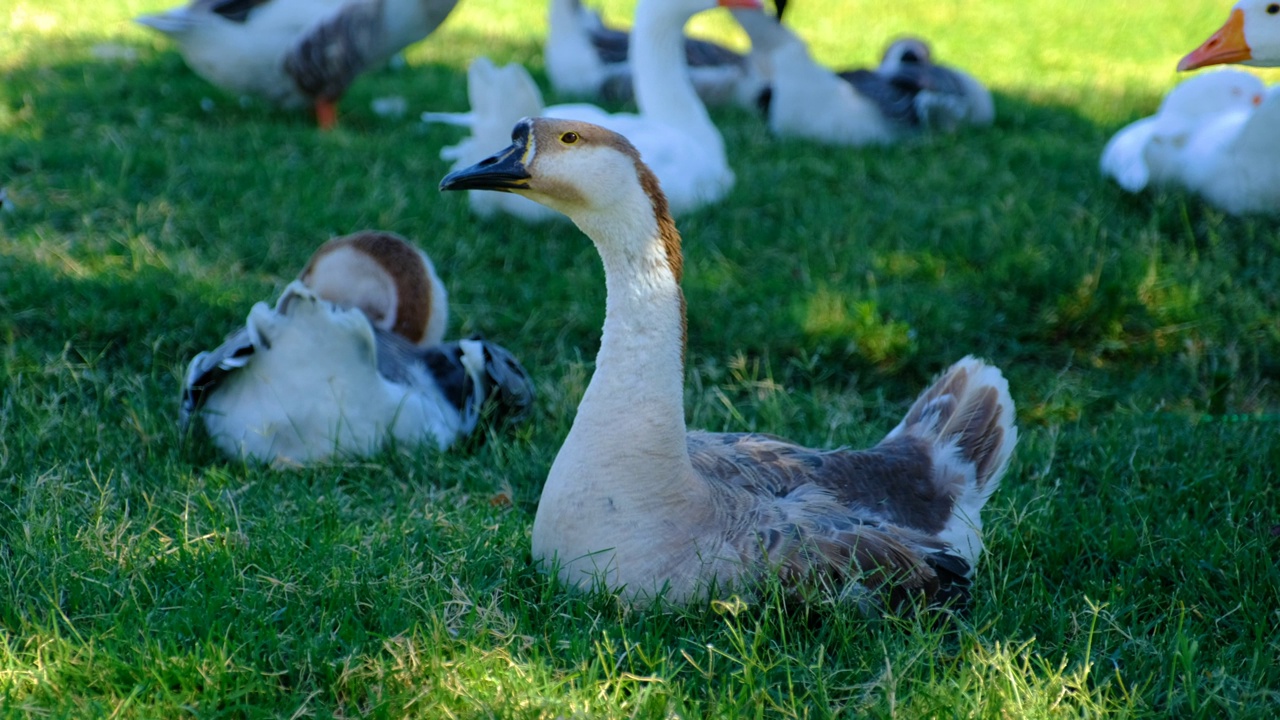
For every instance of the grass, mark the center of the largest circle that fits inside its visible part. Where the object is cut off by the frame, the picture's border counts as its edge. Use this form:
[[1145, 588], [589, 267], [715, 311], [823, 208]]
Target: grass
[[1131, 551]]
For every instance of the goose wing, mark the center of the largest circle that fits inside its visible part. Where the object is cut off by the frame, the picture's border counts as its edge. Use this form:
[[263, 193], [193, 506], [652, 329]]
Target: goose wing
[[866, 516], [896, 101], [208, 369]]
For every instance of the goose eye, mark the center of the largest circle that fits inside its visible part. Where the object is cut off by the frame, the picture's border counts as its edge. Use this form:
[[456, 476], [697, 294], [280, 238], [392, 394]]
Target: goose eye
[[1273, 9], [569, 138]]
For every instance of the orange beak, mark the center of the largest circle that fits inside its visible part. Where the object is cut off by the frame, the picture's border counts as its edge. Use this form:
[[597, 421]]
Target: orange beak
[[1225, 46], [744, 4]]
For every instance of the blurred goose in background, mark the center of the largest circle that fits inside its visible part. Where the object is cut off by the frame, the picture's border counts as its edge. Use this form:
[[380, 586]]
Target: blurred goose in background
[[585, 58], [1145, 151], [311, 377], [1213, 134], [672, 130], [295, 52], [1233, 161], [383, 275], [637, 504], [906, 93], [1251, 36]]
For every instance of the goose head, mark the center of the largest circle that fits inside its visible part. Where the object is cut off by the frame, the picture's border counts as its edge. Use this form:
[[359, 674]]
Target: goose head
[[1251, 36], [392, 282], [591, 174], [905, 51]]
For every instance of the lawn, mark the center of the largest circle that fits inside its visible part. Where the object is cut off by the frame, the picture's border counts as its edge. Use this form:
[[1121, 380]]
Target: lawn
[[1131, 552]]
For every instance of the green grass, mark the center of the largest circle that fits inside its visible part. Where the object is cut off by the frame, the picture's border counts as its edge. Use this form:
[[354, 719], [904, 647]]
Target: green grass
[[1131, 551]]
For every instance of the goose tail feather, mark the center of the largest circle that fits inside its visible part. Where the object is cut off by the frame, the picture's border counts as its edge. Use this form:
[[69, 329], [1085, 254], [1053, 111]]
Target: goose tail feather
[[967, 418]]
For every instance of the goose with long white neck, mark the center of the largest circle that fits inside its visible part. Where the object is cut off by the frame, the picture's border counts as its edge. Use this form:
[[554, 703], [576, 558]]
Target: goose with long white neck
[[673, 131], [588, 59], [1251, 36], [636, 503]]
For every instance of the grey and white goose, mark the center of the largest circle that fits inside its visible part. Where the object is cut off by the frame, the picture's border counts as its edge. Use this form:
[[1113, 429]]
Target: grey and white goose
[[586, 58], [639, 505], [907, 92], [348, 359], [295, 52]]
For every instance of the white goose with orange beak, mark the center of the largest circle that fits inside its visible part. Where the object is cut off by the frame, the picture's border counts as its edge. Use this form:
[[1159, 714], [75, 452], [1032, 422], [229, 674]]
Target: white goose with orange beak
[[1251, 36], [638, 505]]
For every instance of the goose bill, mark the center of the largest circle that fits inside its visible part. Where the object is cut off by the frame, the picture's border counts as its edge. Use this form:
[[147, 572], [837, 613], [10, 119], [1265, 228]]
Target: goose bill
[[1225, 46], [504, 171]]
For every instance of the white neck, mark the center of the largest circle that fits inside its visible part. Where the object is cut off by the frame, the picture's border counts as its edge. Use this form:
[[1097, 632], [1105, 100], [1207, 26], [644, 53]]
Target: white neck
[[623, 479], [660, 72]]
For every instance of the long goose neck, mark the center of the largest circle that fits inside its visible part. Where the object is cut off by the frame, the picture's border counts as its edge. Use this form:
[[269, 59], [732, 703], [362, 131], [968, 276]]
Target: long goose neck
[[633, 410], [659, 70]]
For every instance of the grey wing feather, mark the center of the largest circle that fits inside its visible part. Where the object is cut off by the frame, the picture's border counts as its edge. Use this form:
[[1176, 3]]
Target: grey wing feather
[[503, 385], [208, 369], [865, 516], [896, 101], [613, 46], [233, 10], [330, 56]]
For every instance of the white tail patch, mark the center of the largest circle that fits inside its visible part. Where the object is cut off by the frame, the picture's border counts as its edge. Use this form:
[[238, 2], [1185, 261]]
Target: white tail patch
[[973, 435]]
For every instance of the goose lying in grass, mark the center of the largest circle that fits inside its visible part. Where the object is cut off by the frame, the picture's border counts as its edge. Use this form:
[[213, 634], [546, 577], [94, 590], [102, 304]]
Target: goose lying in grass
[[312, 377], [295, 52], [673, 130], [585, 58], [635, 502], [1214, 135], [906, 93], [1251, 36]]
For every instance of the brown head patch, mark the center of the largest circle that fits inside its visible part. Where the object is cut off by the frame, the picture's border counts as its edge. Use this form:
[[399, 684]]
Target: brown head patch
[[404, 268]]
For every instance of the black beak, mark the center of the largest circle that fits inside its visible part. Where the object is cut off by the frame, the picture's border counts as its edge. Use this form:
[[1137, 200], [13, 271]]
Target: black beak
[[503, 171]]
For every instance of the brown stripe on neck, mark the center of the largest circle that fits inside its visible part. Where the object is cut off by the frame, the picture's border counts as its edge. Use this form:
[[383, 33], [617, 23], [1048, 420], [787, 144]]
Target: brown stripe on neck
[[670, 238]]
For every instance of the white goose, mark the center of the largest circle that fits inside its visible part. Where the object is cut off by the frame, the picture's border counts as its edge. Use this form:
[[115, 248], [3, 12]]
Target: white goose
[[295, 52], [1234, 160], [1251, 36], [587, 59], [1146, 152], [639, 505], [673, 130], [906, 93], [311, 378]]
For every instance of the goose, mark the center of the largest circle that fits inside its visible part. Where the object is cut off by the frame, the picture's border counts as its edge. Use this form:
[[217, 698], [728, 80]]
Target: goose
[[311, 377], [636, 504], [388, 279], [1251, 36], [1146, 151], [907, 92], [295, 52], [673, 130], [587, 59], [1233, 161]]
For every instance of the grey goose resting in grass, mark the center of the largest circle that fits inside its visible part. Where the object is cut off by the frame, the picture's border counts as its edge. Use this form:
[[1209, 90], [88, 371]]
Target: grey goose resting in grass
[[295, 52], [639, 505], [907, 92], [341, 365]]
